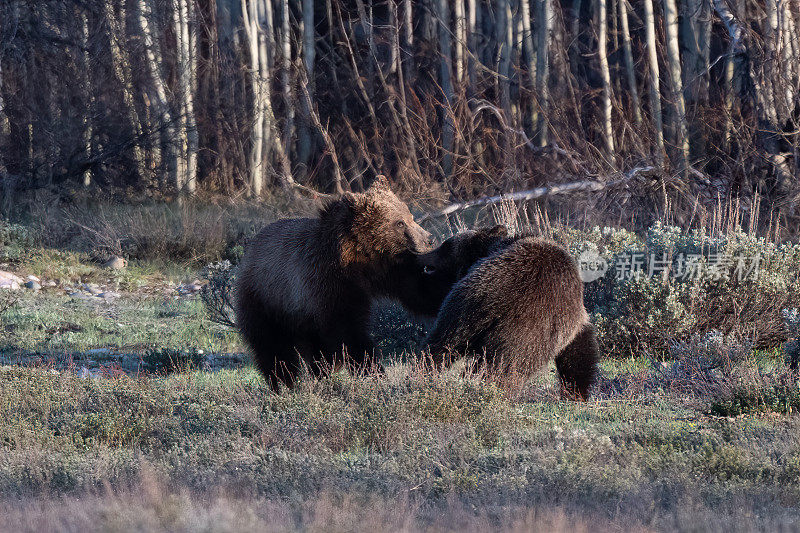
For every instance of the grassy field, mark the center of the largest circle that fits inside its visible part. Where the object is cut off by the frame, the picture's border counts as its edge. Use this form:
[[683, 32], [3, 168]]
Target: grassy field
[[406, 449], [695, 442]]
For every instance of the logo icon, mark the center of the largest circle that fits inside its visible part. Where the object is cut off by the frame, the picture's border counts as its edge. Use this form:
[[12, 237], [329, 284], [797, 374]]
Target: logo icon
[[592, 266]]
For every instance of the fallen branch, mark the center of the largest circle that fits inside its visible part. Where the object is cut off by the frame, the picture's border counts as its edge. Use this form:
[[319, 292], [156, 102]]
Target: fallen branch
[[539, 192]]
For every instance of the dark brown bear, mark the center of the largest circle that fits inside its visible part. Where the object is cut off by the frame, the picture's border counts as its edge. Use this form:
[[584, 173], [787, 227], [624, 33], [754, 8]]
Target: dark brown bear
[[306, 285], [520, 307], [424, 280]]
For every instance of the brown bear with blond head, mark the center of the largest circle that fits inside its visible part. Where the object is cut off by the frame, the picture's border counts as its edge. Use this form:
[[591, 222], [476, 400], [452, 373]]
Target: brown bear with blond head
[[515, 301], [306, 285]]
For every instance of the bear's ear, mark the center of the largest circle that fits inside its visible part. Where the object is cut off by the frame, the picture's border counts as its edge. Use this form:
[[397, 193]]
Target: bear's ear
[[343, 210], [355, 203], [380, 183]]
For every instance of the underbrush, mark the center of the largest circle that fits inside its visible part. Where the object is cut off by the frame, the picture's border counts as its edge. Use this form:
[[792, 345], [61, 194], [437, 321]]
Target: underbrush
[[180, 451], [193, 232]]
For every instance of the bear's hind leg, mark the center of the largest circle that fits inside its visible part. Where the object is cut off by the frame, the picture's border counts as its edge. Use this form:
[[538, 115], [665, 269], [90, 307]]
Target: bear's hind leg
[[577, 363]]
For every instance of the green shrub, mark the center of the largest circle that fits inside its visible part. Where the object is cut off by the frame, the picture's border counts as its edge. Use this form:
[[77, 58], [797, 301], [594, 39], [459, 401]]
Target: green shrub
[[14, 240], [735, 283]]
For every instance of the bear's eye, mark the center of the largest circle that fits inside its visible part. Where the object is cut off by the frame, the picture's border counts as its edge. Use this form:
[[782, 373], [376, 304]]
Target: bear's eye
[[400, 224], [428, 269]]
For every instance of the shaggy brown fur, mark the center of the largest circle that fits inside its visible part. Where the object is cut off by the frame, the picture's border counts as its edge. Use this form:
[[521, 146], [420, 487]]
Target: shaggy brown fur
[[426, 279], [520, 307], [306, 285]]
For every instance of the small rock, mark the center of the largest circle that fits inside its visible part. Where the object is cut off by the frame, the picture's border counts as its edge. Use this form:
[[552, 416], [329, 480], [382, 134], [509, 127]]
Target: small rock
[[50, 283], [92, 288], [9, 285], [9, 281], [116, 263], [33, 278], [33, 285]]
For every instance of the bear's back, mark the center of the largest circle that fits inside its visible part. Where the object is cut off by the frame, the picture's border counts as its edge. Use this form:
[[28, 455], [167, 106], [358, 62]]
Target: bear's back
[[283, 265], [526, 297], [525, 275]]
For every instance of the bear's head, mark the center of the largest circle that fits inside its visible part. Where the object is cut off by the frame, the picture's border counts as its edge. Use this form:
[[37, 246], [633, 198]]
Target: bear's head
[[427, 278], [374, 226]]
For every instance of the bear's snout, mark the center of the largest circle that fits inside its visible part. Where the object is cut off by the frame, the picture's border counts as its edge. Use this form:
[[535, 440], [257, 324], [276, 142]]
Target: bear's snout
[[420, 241]]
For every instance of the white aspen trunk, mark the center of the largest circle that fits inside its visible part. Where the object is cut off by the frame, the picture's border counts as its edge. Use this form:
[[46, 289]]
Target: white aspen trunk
[[614, 29], [692, 38], [5, 125], [408, 37], [448, 129], [461, 39], [729, 97], [736, 47], [288, 101], [182, 90], [401, 85], [190, 56], [270, 136], [676, 85], [629, 67], [505, 38], [530, 54], [88, 95], [309, 52], [154, 62], [517, 57], [545, 28], [602, 56], [655, 91], [122, 70], [472, 27], [255, 161]]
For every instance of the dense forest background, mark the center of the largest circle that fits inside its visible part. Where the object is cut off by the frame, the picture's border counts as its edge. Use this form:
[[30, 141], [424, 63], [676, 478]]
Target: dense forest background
[[665, 103]]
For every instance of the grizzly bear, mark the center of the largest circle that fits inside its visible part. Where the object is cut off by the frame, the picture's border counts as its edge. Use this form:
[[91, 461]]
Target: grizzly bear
[[424, 280], [305, 285], [519, 307]]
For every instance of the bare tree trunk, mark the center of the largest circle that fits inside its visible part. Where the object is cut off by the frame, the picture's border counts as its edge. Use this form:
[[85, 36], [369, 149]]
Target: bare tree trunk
[[530, 57], [655, 91], [288, 100], [88, 95], [304, 138], [735, 48], [266, 65], [255, 163], [694, 21], [505, 36], [680, 131], [122, 70], [448, 129], [5, 125], [461, 39], [190, 56], [608, 133], [408, 38], [184, 183], [154, 63], [401, 85], [545, 28], [472, 48], [629, 68]]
